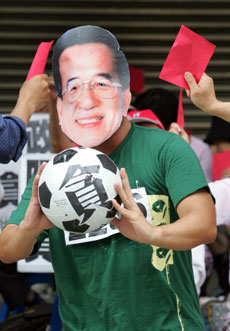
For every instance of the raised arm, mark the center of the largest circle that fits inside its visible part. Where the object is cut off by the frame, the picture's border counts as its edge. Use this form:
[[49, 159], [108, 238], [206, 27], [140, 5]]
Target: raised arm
[[203, 96], [196, 224], [17, 241], [33, 96]]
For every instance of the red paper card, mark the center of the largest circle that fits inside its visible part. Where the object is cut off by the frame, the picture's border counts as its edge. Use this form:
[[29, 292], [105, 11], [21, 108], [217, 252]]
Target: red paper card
[[137, 81], [180, 112], [189, 52], [220, 162], [39, 62]]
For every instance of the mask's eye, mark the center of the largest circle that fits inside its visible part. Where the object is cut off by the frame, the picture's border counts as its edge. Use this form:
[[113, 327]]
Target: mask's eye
[[74, 87], [103, 84]]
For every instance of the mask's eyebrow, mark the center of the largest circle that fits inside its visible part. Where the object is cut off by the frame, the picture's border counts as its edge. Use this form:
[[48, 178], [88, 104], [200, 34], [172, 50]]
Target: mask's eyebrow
[[69, 80], [105, 75], [100, 74]]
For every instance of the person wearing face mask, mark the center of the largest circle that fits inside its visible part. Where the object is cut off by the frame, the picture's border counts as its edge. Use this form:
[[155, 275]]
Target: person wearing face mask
[[140, 278]]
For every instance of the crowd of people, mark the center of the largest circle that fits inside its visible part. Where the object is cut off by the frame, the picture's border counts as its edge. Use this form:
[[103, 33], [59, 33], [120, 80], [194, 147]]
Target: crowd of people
[[147, 276]]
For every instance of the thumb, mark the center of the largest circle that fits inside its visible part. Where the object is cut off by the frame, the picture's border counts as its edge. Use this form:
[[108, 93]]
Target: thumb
[[190, 80]]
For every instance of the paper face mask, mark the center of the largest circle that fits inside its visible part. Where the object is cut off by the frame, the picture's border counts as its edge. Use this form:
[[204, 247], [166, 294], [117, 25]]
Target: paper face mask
[[92, 79]]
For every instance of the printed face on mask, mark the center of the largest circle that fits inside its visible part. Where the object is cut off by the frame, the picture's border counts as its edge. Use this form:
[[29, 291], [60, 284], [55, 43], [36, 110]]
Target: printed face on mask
[[93, 101]]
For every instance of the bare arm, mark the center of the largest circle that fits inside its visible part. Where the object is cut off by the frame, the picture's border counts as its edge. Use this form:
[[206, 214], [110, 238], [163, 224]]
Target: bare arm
[[33, 96], [203, 96], [17, 241], [196, 224]]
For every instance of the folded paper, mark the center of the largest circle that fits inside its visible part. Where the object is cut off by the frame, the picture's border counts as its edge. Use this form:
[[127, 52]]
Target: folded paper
[[189, 52], [180, 112], [39, 62]]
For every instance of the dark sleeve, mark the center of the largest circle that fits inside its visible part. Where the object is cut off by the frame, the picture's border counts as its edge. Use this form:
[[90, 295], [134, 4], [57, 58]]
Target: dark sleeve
[[13, 137]]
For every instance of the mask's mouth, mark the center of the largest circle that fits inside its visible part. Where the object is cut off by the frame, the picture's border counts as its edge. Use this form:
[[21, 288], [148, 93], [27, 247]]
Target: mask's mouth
[[89, 122]]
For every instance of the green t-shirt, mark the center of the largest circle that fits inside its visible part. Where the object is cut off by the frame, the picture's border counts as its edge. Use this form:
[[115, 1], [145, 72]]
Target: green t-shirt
[[116, 283]]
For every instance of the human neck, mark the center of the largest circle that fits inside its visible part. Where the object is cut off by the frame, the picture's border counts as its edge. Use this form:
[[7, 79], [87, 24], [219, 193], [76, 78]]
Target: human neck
[[109, 145]]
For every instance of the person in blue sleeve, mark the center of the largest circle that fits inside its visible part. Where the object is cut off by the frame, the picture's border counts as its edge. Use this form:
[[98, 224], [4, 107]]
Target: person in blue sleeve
[[33, 96]]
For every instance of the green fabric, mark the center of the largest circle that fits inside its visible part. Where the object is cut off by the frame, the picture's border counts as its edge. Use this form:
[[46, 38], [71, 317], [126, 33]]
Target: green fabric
[[118, 284]]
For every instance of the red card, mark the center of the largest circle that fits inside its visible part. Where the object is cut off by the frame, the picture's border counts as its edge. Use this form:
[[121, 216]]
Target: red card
[[137, 81], [189, 52], [220, 162], [180, 112], [39, 62]]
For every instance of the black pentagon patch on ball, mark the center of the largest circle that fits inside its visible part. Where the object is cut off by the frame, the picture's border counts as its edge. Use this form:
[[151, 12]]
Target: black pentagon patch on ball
[[142, 208], [75, 226], [112, 212], [64, 156], [44, 195], [107, 163]]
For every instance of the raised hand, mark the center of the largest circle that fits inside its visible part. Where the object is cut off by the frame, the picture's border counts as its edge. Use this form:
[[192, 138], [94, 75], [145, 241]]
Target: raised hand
[[202, 94], [35, 219], [175, 128]]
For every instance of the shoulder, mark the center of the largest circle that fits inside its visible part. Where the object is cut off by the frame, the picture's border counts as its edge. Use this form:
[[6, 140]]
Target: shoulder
[[161, 141], [156, 134]]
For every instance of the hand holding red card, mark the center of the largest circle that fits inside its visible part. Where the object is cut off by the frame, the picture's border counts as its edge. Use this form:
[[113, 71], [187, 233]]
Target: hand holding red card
[[189, 53]]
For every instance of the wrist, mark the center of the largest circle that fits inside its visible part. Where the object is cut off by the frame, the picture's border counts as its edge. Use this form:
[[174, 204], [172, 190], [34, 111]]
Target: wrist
[[24, 111], [220, 109], [28, 230], [30, 106], [213, 107]]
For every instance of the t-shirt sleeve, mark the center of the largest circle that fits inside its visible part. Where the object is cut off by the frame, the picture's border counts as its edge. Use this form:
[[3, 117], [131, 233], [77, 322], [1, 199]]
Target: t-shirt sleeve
[[13, 136], [19, 214], [182, 169]]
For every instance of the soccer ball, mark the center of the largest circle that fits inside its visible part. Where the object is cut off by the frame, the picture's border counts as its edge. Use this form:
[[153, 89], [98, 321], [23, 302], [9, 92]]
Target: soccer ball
[[76, 189]]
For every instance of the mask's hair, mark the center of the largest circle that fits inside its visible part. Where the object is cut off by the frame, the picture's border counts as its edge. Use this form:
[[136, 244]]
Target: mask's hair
[[90, 34]]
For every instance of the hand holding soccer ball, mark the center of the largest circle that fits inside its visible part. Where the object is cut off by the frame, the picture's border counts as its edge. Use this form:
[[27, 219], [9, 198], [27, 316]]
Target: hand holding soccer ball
[[76, 189]]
